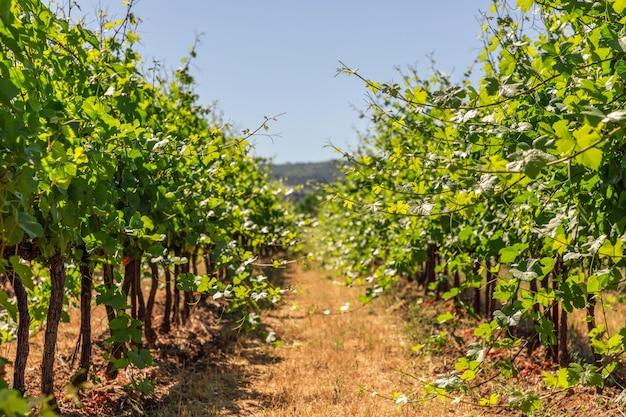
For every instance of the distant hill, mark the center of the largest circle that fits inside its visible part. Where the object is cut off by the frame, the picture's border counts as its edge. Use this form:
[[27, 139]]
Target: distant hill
[[306, 174]]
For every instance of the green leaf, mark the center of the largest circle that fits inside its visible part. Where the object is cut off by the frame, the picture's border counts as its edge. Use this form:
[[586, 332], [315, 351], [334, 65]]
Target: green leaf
[[547, 265], [593, 285], [560, 379], [12, 404], [509, 254], [573, 296], [8, 90], [550, 380], [8, 305], [507, 368], [187, 282], [206, 283], [586, 136], [507, 320], [29, 225], [155, 251], [615, 252], [533, 167], [468, 375], [442, 318], [574, 371], [526, 401], [485, 330], [591, 158], [147, 222], [525, 5], [23, 271], [532, 162], [453, 292], [113, 23], [141, 359], [5, 9], [120, 363], [589, 376], [12, 233], [545, 328], [618, 5], [125, 329], [112, 297], [93, 107], [492, 400]]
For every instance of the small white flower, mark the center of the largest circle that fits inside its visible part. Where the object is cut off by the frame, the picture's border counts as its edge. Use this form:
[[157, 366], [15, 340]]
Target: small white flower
[[326, 312], [253, 318], [490, 119], [271, 337], [403, 399], [344, 308], [110, 91], [228, 291], [390, 272], [256, 296]]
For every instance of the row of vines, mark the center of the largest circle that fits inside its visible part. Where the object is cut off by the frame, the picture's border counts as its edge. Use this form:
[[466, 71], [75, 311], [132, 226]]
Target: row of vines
[[506, 195], [110, 174]]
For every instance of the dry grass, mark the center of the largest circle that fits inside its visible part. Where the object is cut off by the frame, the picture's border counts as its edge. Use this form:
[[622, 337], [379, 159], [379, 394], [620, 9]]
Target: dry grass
[[66, 346], [325, 364]]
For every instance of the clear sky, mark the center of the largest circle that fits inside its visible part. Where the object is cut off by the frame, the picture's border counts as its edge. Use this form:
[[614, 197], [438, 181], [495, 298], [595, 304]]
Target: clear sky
[[263, 58]]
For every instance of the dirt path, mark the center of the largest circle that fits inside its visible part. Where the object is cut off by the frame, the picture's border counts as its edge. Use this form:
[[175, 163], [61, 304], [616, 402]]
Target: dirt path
[[328, 363]]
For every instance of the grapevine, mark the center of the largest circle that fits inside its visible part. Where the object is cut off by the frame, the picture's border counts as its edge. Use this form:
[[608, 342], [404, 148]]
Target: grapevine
[[505, 195], [107, 172]]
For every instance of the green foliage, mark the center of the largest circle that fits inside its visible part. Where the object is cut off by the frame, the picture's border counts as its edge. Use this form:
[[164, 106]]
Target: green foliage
[[525, 401], [98, 156], [517, 178], [12, 404], [309, 205]]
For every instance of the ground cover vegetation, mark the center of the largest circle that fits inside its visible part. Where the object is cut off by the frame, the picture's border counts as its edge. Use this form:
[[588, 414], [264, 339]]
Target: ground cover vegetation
[[111, 174], [504, 196]]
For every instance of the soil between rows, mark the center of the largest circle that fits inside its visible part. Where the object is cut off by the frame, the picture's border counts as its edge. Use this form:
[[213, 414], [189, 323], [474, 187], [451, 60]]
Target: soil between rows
[[324, 361], [332, 357]]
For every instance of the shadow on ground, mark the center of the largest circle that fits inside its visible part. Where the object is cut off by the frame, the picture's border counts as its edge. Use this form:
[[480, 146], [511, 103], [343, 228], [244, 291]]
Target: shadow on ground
[[200, 369]]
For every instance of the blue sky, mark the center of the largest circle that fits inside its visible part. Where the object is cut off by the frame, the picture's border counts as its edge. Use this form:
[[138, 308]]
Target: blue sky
[[263, 58]]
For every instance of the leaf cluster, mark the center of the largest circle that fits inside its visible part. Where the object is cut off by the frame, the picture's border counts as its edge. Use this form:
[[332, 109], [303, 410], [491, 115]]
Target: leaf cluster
[[515, 182]]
